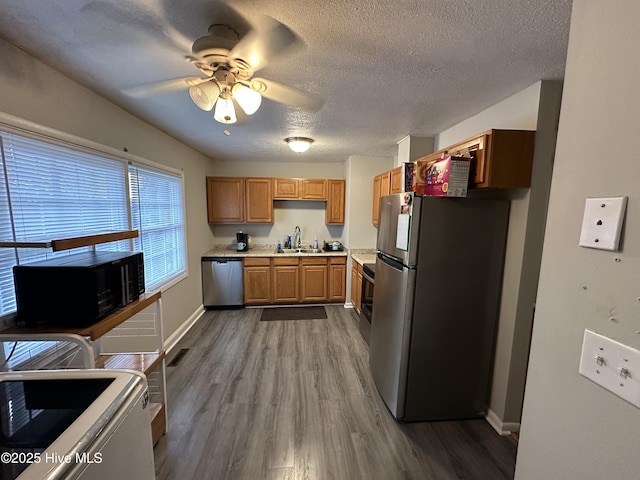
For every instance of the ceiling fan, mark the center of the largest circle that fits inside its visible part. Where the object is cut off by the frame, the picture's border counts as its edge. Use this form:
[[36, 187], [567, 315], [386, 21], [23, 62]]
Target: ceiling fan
[[228, 63]]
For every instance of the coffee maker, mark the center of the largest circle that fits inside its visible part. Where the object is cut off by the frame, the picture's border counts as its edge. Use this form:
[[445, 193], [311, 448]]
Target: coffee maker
[[242, 240]]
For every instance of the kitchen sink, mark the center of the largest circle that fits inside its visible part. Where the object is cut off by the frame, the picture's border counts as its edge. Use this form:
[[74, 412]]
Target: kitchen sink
[[299, 250]]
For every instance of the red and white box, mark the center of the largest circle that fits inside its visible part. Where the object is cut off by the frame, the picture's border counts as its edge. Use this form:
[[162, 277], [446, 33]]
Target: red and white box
[[445, 177]]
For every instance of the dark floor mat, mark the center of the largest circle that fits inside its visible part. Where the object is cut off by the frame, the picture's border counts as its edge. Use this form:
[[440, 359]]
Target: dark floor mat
[[293, 313]]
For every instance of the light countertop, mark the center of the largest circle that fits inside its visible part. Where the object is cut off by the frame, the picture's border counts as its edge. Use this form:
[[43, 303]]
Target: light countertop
[[264, 251], [363, 256]]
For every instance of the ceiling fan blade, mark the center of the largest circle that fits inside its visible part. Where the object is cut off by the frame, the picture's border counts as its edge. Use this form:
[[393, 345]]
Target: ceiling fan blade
[[267, 39], [285, 94], [178, 40], [164, 86]]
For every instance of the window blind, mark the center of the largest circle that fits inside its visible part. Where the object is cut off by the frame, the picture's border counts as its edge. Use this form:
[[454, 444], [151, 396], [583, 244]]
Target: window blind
[[48, 191], [157, 212], [52, 191]]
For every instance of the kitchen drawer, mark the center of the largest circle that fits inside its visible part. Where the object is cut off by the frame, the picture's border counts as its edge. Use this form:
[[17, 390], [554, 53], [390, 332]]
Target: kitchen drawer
[[313, 260], [257, 261], [286, 261], [337, 260]]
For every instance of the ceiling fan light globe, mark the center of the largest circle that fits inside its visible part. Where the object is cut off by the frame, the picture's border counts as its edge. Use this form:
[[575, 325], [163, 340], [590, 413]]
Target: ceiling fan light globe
[[205, 95], [249, 100], [299, 144], [225, 112]]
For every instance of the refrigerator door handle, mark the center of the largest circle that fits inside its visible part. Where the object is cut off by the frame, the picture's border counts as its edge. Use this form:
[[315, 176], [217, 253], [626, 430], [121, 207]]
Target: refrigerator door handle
[[391, 261]]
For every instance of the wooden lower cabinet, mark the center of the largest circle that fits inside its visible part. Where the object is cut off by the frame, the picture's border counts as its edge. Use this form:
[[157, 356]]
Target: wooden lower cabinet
[[356, 285], [313, 279], [291, 280], [337, 279], [286, 280], [257, 280]]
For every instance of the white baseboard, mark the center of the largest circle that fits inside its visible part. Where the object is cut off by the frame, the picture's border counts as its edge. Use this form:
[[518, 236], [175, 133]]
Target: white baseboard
[[182, 330], [503, 428]]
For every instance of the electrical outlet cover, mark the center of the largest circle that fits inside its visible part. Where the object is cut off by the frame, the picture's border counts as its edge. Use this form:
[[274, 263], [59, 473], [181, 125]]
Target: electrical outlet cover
[[602, 222], [612, 365]]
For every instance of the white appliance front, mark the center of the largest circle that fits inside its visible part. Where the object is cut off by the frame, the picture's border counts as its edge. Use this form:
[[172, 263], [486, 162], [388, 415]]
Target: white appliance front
[[75, 424]]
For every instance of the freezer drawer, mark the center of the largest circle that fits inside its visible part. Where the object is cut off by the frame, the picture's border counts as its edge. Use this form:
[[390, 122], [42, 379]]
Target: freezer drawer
[[222, 281]]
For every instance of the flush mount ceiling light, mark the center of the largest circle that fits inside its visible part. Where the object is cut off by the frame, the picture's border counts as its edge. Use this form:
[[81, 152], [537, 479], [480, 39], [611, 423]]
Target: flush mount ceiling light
[[299, 144], [220, 91]]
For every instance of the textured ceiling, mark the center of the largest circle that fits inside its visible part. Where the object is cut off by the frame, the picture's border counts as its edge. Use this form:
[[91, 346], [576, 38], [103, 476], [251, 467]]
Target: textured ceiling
[[385, 68]]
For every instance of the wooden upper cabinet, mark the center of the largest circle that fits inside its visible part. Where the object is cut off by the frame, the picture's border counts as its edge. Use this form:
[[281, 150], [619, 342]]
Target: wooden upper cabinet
[[385, 183], [375, 211], [313, 189], [225, 199], [300, 189], [335, 202], [500, 158], [250, 200], [286, 188], [396, 180], [381, 187], [259, 200]]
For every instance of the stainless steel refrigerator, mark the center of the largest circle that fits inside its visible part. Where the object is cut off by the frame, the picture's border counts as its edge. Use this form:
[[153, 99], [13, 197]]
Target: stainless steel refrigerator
[[435, 306]]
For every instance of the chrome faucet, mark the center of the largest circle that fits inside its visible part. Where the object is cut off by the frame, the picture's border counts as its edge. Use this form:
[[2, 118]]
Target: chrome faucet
[[296, 238]]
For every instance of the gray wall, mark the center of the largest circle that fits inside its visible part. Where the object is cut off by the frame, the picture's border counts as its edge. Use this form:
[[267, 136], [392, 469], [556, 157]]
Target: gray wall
[[572, 428], [534, 108], [36, 93]]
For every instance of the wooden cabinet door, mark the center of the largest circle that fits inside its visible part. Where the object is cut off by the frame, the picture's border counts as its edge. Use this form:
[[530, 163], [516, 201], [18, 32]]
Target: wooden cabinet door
[[335, 202], [286, 188], [359, 288], [313, 189], [381, 187], [257, 281], [508, 158], [354, 283], [385, 183], [259, 200], [313, 279], [225, 199], [337, 279], [375, 210], [286, 280], [397, 180], [476, 149]]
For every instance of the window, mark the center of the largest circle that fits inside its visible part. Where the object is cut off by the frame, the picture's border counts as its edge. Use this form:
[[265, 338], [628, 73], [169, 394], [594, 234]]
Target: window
[[157, 212], [51, 190]]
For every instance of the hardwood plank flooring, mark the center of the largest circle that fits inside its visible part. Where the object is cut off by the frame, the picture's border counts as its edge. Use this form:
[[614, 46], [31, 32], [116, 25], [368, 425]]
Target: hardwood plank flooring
[[294, 400]]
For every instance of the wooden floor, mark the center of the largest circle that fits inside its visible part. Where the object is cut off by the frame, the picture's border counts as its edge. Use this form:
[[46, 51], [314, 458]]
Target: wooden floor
[[295, 400]]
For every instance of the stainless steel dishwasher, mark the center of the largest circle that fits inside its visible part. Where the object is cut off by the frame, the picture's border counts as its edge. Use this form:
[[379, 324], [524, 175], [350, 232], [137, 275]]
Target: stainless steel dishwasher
[[222, 281]]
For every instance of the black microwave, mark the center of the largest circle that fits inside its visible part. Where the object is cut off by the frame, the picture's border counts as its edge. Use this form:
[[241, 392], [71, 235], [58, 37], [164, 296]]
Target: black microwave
[[77, 290]]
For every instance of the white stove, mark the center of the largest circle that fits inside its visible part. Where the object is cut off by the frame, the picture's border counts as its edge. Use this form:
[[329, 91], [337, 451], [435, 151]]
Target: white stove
[[72, 424]]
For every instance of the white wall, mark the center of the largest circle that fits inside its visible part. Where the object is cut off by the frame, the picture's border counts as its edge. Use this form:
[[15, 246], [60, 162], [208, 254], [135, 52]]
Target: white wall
[[520, 111], [36, 93], [572, 428], [360, 172]]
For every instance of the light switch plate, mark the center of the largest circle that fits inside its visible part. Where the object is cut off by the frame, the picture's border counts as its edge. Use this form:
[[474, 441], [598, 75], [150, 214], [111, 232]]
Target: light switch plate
[[612, 365], [602, 222]]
